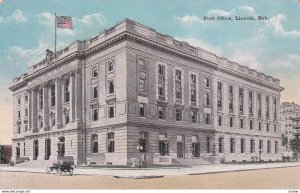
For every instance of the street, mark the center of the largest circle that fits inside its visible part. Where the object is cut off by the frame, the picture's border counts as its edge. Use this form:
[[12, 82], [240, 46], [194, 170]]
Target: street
[[276, 178]]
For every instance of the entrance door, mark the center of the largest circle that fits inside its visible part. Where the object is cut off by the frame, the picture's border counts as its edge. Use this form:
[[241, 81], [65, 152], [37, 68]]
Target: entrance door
[[35, 149], [196, 149], [47, 148]]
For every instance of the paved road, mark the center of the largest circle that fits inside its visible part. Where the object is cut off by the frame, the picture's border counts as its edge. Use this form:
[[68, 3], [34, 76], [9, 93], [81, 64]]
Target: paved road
[[277, 178]]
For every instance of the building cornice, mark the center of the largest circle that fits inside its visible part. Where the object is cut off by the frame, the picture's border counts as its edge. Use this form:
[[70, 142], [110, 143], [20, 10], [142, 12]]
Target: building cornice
[[126, 35]]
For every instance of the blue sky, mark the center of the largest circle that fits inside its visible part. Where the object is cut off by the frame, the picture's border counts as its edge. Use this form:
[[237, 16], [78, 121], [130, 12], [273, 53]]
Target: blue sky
[[26, 31]]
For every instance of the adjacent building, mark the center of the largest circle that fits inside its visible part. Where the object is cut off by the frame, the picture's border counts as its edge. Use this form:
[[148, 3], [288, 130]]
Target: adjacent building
[[288, 112], [130, 91]]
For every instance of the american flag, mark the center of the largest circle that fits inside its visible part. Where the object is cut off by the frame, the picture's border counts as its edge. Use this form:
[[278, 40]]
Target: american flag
[[64, 22]]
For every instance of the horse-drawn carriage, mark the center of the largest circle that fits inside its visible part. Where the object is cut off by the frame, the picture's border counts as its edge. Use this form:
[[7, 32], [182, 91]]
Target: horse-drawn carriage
[[63, 164]]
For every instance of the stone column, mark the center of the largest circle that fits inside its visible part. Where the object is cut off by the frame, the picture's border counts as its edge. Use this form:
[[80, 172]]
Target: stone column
[[72, 96], [58, 98], [78, 95], [46, 107]]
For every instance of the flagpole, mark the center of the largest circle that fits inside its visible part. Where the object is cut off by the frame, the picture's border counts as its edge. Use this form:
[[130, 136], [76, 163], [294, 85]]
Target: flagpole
[[55, 36]]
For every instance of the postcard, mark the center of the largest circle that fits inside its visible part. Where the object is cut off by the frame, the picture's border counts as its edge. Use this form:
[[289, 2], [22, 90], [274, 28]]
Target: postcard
[[142, 95]]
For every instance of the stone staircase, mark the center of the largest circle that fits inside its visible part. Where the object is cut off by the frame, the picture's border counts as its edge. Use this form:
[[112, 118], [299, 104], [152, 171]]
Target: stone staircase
[[191, 161], [35, 163]]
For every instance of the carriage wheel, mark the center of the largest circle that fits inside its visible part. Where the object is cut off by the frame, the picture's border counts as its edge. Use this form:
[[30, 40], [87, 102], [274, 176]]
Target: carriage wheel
[[48, 170], [58, 171], [71, 172]]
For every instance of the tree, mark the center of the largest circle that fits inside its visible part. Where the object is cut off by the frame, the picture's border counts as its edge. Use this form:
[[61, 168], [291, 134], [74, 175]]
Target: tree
[[284, 141], [295, 146]]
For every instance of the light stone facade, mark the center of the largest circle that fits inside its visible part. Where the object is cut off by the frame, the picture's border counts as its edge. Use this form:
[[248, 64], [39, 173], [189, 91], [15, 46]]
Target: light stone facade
[[131, 85]]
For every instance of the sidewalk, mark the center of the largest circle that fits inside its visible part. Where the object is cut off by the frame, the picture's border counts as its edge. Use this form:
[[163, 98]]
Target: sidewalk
[[160, 172]]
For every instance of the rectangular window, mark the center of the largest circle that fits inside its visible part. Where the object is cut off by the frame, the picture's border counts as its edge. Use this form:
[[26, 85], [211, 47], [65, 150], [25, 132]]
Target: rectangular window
[[94, 143], [261, 146], [178, 115], [268, 127], [259, 126], [231, 121], [110, 65], [241, 100], [269, 147], [26, 98], [161, 112], [252, 146], [41, 98], [95, 92], [19, 129], [221, 145], [230, 99], [275, 108], [241, 123], [267, 108], [276, 146], [275, 128], [242, 145], [251, 103], [111, 87], [178, 84], [207, 118], [259, 105], [206, 99], [19, 114], [251, 125], [206, 82], [220, 120], [142, 87], [161, 70], [95, 114], [219, 96], [142, 109], [208, 142], [19, 100], [26, 112], [161, 82], [52, 95], [193, 90], [232, 145], [95, 72], [67, 91], [111, 142], [111, 111], [194, 116]]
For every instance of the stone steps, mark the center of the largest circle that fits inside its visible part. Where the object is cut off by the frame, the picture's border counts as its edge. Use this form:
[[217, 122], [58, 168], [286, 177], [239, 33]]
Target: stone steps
[[191, 161]]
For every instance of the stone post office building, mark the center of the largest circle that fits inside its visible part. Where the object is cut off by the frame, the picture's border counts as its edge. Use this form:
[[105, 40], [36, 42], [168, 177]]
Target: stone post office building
[[130, 86]]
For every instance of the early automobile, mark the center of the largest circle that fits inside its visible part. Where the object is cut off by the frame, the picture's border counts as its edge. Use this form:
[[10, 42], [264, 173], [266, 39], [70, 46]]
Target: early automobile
[[63, 164]]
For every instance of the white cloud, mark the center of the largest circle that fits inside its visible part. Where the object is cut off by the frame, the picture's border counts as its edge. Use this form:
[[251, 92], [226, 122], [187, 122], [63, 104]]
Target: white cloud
[[22, 56], [17, 16], [188, 19], [276, 23], [219, 12], [90, 20], [201, 44]]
